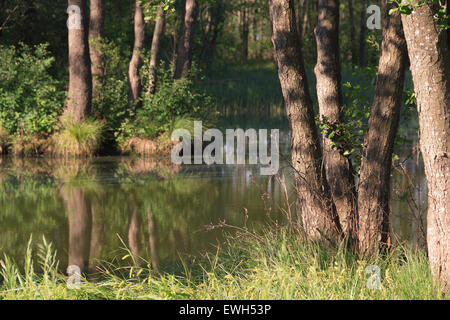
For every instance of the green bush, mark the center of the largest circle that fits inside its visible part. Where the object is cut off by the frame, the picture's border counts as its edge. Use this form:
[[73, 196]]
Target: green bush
[[174, 100], [30, 98]]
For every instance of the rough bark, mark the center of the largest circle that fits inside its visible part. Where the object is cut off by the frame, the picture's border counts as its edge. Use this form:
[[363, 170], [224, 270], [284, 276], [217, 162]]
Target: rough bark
[[96, 34], [185, 44], [156, 44], [338, 168], [374, 185], [79, 95], [318, 212], [134, 78], [429, 54]]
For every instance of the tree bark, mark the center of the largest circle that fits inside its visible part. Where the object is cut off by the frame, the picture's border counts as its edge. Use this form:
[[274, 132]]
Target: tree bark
[[429, 54], [317, 209], [79, 94], [185, 44], [134, 78], [338, 168], [156, 44], [96, 35], [374, 185]]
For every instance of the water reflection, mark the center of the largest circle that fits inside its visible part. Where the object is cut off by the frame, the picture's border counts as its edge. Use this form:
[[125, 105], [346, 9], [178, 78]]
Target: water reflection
[[159, 211], [89, 209]]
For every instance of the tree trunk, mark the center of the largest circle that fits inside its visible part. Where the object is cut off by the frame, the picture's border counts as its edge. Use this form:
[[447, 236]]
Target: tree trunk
[[338, 168], [374, 185], [185, 44], [134, 78], [362, 36], [301, 9], [156, 41], [80, 223], [96, 34], [79, 95], [318, 212], [429, 54], [244, 32], [134, 225], [352, 33], [152, 241]]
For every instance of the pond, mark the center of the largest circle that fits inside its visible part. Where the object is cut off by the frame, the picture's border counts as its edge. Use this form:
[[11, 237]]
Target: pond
[[91, 209]]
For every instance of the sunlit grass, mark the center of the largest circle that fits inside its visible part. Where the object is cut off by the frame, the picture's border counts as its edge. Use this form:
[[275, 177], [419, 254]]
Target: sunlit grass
[[271, 265], [78, 139]]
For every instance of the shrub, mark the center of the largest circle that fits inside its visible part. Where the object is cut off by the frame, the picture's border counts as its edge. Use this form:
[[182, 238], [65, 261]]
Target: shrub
[[30, 98], [173, 101]]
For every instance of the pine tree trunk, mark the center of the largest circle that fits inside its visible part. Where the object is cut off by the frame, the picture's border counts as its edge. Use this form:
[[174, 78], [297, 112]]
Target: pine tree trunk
[[96, 34], [156, 44], [318, 212], [134, 78], [185, 44], [338, 168], [79, 95], [374, 185], [429, 54]]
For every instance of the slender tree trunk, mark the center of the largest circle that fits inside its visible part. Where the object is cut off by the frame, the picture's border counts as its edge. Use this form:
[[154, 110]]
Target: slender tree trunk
[[134, 225], [80, 223], [305, 23], [362, 36], [300, 12], [185, 45], [374, 185], [352, 33], [339, 169], [317, 209], [429, 54], [244, 32], [97, 238], [79, 95], [156, 44], [152, 241], [134, 78], [96, 34]]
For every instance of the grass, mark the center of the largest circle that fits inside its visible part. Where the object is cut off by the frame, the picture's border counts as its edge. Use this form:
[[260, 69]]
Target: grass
[[271, 265], [78, 139]]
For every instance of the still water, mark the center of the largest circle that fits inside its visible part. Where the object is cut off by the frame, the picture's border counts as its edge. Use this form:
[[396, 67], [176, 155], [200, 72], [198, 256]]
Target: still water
[[91, 209]]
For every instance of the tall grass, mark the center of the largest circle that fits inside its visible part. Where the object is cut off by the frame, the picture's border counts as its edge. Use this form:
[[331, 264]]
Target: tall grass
[[78, 139], [271, 265]]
